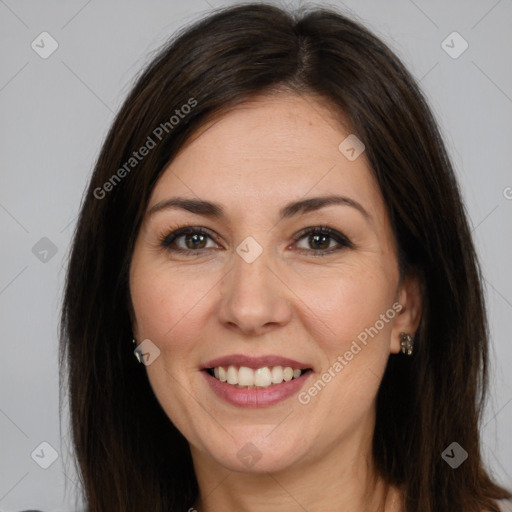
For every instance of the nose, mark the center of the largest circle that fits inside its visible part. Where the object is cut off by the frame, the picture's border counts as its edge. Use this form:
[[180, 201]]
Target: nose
[[254, 297]]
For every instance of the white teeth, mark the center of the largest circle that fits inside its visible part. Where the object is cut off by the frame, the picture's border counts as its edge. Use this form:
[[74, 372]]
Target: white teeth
[[245, 376], [288, 373], [260, 378], [277, 374], [232, 375]]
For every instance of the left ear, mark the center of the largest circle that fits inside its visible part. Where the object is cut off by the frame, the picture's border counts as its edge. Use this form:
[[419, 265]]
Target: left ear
[[408, 318]]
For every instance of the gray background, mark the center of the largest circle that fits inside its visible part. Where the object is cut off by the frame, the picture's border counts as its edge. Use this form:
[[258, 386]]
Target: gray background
[[56, 111]]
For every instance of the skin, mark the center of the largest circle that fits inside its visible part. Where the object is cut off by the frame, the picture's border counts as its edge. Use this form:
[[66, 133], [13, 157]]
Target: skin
[[253, 160]]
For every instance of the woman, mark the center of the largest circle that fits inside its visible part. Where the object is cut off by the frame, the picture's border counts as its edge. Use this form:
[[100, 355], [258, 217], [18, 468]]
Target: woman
[[275, 225]]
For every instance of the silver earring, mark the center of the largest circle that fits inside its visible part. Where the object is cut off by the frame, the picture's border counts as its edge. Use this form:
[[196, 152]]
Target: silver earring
[[136, 352], [407, 343]]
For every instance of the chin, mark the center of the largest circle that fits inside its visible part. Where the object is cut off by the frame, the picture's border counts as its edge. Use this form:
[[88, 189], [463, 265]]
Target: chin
[[259, 452]]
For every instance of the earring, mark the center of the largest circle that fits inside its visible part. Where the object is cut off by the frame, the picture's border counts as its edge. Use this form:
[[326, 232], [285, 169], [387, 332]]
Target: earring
[[407, 343], [137, 352]]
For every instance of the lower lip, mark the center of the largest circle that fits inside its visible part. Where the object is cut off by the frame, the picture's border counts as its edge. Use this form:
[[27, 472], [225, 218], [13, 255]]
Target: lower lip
[[256, 397]]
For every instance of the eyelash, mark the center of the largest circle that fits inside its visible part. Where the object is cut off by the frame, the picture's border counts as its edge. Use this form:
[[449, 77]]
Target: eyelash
[[166, 239]]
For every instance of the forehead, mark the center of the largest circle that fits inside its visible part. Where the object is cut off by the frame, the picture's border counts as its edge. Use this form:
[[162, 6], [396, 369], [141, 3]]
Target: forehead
[[267, 151]]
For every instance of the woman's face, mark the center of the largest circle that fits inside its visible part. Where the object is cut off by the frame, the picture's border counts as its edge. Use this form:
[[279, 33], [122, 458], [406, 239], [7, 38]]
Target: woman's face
[[256, 284]]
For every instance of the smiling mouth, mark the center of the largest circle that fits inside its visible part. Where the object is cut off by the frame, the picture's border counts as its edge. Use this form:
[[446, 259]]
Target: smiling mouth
[[243, 377]]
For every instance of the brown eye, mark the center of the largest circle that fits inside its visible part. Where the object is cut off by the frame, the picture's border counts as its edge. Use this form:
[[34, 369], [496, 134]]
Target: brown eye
[[319, 241], [320, 238], [194, 239]]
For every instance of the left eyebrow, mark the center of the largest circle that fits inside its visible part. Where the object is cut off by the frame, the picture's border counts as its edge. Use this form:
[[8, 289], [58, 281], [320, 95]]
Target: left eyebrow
[[315, 203], [214, 210]]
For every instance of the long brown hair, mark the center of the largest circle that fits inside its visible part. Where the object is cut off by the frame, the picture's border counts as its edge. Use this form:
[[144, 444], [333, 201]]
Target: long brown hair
[[129, 455]]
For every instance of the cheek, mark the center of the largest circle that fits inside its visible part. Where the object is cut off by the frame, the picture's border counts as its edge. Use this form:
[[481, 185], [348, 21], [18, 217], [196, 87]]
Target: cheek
[[165, 301], [356, 348], [170, 312], [344, 307], [359, 316]]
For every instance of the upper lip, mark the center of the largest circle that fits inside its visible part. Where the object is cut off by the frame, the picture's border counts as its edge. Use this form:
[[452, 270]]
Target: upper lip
[[254, 362]]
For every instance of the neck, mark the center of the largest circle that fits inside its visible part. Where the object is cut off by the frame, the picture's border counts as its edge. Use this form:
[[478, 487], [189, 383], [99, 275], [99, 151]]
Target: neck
[[342, 477]]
